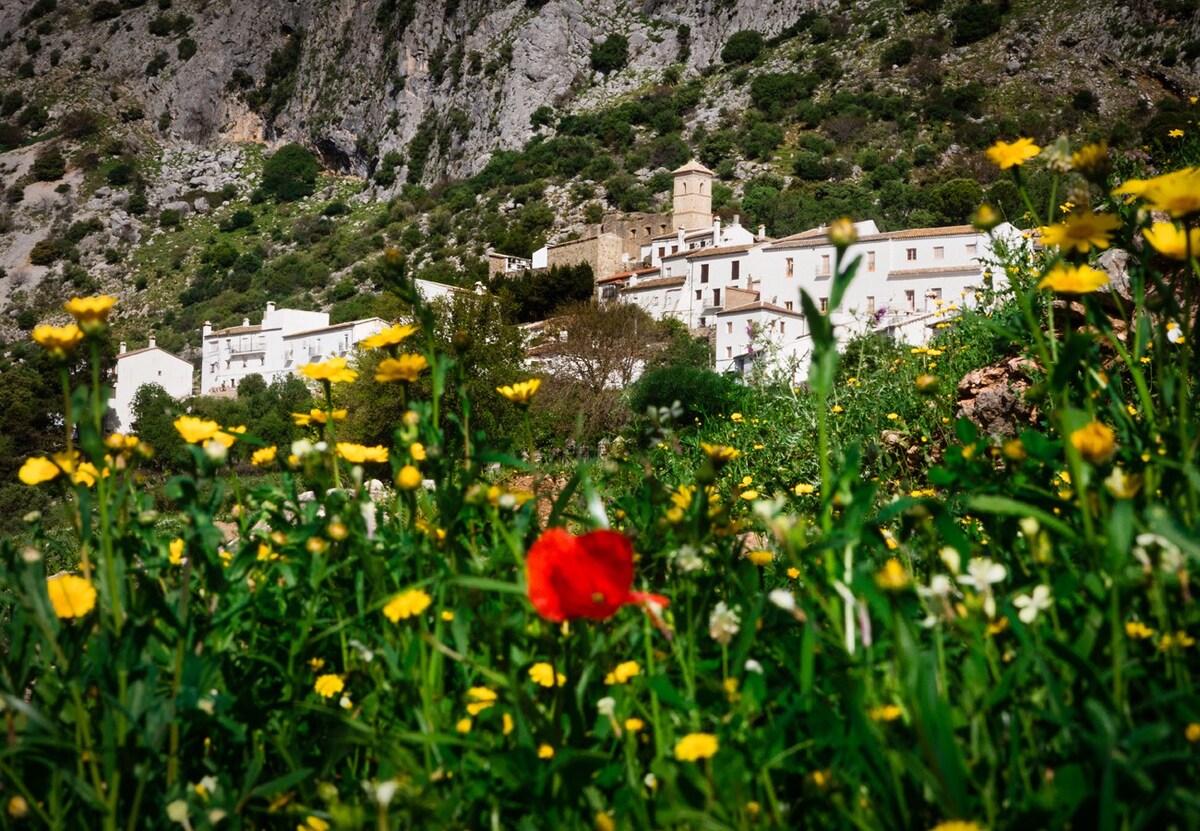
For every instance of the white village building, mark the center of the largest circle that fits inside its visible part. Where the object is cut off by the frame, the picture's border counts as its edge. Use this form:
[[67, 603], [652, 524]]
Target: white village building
[[139, 367], [285, 340], [739, 286]]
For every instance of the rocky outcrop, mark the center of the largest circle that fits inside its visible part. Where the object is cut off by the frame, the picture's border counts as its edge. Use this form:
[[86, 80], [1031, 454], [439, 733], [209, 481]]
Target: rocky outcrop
[[993, 397]]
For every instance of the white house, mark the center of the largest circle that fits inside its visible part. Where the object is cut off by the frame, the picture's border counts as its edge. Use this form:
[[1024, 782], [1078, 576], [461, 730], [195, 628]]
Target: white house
[[906, 284], [139, 367], [285, 340]]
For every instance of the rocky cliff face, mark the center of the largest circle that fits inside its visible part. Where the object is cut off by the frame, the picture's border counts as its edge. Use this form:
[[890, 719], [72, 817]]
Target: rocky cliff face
[[357, 79]]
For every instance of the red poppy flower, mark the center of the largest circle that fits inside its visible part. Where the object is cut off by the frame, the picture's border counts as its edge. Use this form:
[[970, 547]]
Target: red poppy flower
[[587, 576]]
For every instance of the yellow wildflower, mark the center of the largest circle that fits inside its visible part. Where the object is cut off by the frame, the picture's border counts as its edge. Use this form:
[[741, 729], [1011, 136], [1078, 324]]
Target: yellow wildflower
[[520, 393], [1192, 732], [892, 576], [316, 416], [737, 418], [760, 557], [388, 337], [196, 430], [793, 573], [696, 746], [357, 454], [408, 478], [1073, 279], [312, 823], [1176, 193], [407, 604], [957, 825], [327, 686], [804, 489], [506, 724], [263, 456], [605, 821], [545, 751], [1096, 442], [38, 469], [175, 552], [1138, 630], [1091, 160], [886, 712], [842, 232], [544, 675], [58, 340], [719, 454], [1176, 133], [417, 451], [633, 725], [90, 312], [1169, 240], [333, 371], [479, 699], [463, 725], [1081, 232], [72, 596], [1005, 155], [404, 368], [623, 672]]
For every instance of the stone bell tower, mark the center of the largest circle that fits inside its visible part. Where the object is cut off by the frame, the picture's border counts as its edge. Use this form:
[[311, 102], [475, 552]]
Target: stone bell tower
[[692, 203]]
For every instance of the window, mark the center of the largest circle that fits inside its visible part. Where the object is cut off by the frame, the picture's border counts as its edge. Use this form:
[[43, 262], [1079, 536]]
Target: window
[[939, 252], [729, 328], [704, 273], [910, 299], [791, 267], [788, 305], [781, 324], [824, 272], [728, 351], [824, 304], [674, 249], [699, 294], [735, 270], [971, 249], [910, 254], [870, 304], [870, 261], [662, 251], [716, 297], [702, 322]]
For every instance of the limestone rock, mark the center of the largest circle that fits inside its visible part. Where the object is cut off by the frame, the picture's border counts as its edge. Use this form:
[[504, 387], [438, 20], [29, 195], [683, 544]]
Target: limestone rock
[[993, 397]]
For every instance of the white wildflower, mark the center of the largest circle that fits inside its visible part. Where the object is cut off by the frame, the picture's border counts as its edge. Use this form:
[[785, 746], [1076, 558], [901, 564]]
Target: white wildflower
[[723, 623]]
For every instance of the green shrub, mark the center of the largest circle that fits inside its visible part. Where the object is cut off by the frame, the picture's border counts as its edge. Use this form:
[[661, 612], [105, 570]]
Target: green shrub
[[49, 165], [290, 173], [170, 218], [240, 218], [46, 252], [700, 392], [742, 47], [187, 48], [104, 10], [974, 21], [611, 54]]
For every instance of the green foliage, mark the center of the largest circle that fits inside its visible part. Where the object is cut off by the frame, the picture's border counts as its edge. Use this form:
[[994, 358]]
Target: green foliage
[[290, 173], [898, 53], [742, 47], [700, 392], [975, 20], [536, 295], [50, 165], [279, 77], [610, 54], [104, 10]]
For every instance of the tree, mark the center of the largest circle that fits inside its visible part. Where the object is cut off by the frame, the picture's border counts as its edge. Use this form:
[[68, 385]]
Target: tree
[[290, 174], [49, 166], [742, 47], [611, 54], [600, 347], [154, 413]]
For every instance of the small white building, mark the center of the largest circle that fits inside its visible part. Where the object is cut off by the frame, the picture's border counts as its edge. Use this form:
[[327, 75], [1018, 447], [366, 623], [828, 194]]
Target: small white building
[[139, 367], [285, 340]]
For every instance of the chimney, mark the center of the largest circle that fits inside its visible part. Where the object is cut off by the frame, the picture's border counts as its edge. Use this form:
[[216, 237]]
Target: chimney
[[122, 347], [682, 232], [207, 330], [762, 231], [245, 321], [153, 341], [270, 310], [737, 220], [716, 230]]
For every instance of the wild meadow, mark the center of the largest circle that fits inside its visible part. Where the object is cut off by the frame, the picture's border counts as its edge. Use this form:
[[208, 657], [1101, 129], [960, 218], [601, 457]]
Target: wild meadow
[[839, 605]]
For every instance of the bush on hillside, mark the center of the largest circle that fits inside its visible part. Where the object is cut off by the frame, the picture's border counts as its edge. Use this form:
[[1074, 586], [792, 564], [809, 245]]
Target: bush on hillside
[[610, 54], [700, 392], [290, 173], [742, 47]]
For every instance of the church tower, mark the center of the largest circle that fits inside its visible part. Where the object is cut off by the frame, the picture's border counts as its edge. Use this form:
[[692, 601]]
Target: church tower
[[692, 203]]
